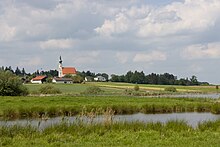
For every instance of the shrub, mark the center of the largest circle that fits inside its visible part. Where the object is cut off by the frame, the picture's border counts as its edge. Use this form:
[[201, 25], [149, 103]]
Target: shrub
[[136, 87], [170, 89], [11, 85], [77, 79], [128, 91], [49, 89], [93, 90]]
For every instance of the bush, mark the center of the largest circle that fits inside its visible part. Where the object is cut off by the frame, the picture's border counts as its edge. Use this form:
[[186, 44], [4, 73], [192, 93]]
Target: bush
[[136, 87], [170, 89], [128, 91], [93, 90], [49, 89], [11, 85], [77, 79]]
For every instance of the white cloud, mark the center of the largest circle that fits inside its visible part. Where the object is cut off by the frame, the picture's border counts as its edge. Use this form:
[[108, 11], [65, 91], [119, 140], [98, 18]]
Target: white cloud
[[119, 25], [86, 57], [150, 57], [195, 68], [57, 44], [179, 17], [29, 62], [123, 57], [201, 51], [7, 33], [131, 30]]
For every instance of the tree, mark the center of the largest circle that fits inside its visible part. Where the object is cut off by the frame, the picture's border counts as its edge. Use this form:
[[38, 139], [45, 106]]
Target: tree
[[77, 79], [9, 69], [216, 87], [194, 80], [68, 76], [11, 85], [128, 76], [18, 71], [23, 72]]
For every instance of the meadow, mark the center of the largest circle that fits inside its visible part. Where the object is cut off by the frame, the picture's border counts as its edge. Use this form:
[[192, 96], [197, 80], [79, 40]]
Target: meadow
[[113, 88], [72, 101], [113, 100]]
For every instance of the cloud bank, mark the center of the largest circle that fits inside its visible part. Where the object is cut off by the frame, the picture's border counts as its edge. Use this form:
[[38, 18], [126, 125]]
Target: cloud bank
[[173, 36]]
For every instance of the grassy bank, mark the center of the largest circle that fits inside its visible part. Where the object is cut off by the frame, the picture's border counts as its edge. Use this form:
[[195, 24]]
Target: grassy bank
[[23, 107], [173, 133]]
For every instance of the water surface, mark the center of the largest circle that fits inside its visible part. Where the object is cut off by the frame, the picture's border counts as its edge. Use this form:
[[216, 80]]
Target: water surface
[[191, 118]]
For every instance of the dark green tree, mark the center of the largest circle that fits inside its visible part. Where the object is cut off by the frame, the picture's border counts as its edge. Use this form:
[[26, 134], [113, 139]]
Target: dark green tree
[[11, 85], [23, 72], [18, 71]]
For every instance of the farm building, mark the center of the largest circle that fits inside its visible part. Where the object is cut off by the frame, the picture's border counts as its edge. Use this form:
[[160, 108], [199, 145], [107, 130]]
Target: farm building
[[100, 78], [39, 79], [62, 80], [65, 70], [89, 79]]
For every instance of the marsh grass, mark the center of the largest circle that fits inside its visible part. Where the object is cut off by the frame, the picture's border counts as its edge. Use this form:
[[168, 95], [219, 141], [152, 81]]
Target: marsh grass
[[209, 125], [109, 133], [82, 128], [52, 106]]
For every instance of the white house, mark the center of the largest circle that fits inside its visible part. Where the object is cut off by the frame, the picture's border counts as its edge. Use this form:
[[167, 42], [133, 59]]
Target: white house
[[38, 79], [89, 79], [62, 80], [100, 78]]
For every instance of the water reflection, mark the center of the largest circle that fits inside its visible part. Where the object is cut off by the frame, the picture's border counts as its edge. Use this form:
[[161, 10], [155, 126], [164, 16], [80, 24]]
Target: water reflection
[[213, 96], [191, 118]]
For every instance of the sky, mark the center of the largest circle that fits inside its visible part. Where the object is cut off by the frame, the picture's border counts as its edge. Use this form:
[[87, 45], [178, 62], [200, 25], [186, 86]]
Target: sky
[[181, 37]]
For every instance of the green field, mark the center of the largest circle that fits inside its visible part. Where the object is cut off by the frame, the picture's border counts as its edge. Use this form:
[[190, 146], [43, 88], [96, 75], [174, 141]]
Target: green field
[[113, 100], [76, 89], [111, 88], [148, 87]]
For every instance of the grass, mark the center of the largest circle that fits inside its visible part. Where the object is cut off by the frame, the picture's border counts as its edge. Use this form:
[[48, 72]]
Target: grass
[[197, 89], [112, 88], [113, 101], [173, 133], [23, 107]]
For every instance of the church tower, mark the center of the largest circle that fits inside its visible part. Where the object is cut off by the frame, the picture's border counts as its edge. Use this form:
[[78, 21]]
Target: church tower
[[60, 74]]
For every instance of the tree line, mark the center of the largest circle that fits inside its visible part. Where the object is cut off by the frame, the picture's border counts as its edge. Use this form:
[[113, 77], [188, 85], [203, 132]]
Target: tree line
[[130, 77], [153, 78]]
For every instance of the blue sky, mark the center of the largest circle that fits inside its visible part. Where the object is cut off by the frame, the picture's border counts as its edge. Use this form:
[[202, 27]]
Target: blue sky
[[176, 36]]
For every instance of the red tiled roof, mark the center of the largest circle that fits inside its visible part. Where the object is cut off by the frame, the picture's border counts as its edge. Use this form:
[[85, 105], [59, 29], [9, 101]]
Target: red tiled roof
[[37, 78], [69, 70]]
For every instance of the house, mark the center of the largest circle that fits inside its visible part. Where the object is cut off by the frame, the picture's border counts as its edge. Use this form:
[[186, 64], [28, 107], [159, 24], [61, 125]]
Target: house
[[100, 78], [39, 79], [89, 79], [62, 80], [65, 70]]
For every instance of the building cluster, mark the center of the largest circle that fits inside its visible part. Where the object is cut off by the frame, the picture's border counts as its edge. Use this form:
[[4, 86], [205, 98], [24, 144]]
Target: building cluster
[[62, 71]]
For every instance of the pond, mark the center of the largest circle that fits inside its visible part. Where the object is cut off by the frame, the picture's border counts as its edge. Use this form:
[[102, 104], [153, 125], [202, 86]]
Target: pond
[[191, 118], [212, 95]]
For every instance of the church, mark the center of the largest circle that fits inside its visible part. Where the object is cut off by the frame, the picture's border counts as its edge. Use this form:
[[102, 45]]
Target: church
[[62, 71], [65, 70]]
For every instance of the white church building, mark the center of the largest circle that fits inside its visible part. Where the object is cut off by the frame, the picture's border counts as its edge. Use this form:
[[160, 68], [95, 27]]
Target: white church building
[[62, 71]]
